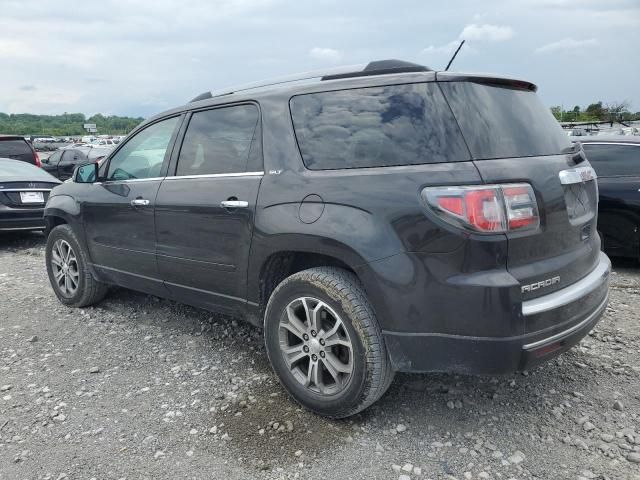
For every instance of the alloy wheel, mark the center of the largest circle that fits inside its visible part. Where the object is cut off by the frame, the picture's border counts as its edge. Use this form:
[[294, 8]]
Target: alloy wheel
[[65, 268], [316, 346]]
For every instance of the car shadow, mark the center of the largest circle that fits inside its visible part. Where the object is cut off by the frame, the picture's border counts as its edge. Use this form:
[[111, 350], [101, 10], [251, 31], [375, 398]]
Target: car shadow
[[14, 241]]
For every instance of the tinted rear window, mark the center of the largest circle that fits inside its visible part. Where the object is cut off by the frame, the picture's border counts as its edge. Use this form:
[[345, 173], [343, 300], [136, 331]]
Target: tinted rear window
[[376, 127], [15, 169], [14, 147], [614, 160], [500, 122]]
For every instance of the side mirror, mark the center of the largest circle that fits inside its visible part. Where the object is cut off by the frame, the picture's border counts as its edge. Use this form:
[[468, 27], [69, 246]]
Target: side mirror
[[87, 173]]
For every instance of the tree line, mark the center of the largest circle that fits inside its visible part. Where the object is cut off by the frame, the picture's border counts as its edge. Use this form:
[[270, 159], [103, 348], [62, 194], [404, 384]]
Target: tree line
[[67, 124], [71, 124], [612, 111]]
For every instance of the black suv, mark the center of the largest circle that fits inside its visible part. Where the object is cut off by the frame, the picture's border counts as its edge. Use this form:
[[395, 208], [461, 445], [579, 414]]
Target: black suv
[[17, 148], [373, 220]]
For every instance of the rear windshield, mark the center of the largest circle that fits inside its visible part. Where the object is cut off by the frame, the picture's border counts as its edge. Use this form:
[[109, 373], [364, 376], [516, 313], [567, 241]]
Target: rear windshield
[[614, 160], [14, 147], [10, 169], [376, 127], [499, 122]]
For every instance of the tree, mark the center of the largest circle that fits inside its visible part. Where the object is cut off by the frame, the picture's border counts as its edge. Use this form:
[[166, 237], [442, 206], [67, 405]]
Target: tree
[[596, 110], [616, 110]]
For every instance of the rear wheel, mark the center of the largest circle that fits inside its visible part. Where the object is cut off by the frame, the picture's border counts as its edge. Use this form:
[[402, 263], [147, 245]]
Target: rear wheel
[[324, 342], [67, 266]]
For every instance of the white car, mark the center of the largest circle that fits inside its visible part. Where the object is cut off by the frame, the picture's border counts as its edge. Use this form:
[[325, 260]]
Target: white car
[[104, 142]]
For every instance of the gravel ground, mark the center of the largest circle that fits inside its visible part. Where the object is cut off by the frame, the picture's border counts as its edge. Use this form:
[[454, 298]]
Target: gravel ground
[[140, 387]]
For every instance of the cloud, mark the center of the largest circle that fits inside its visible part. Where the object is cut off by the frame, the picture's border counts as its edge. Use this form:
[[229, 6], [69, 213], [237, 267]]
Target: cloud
[[486, 32], [28, 88], [474, 32], [325, 54], [447, 48], [567, 44]]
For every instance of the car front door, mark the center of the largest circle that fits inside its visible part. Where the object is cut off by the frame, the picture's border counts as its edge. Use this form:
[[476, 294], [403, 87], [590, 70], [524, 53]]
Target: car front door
[[118, 213], [69, 161], [50, 165], [205, 208], [618, 169]]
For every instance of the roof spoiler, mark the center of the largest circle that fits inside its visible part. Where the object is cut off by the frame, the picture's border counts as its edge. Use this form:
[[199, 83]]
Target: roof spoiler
[[487, 80]]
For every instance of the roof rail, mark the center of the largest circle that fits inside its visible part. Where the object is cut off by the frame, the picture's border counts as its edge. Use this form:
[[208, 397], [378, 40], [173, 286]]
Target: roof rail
[[380, 67]]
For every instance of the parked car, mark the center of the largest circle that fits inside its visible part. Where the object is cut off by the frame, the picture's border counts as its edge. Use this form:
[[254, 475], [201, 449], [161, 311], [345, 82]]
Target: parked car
[[44, 139], [17, 148], [24, 189], [617, 163], [75, 145], [63, 162], [372, 220], [104, 142], [577, 132]]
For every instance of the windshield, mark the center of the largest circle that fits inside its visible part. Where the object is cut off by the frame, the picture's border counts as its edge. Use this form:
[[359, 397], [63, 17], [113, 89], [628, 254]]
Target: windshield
[[17, 169], [502, 122]]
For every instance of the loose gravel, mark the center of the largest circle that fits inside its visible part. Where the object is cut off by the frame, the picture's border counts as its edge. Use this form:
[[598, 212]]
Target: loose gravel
[[139, 387]]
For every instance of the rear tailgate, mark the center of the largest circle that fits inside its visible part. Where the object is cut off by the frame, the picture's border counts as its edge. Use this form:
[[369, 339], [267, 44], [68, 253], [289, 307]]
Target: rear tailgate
[[514, 138], [565, 248], [16, 149]]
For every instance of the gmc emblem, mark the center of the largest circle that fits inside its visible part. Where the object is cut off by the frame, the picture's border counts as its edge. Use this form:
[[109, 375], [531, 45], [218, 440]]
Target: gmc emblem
[[541, 284]]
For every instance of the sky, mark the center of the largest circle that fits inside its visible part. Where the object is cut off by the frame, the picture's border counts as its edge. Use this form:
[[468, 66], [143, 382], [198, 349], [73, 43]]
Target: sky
[[141, 57]]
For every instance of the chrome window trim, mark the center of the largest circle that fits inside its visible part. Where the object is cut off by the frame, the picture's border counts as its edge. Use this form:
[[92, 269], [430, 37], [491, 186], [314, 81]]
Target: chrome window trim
[[111, 182], [25, 189], [217, 175], [573, 292], [577, 175], [611, 143]]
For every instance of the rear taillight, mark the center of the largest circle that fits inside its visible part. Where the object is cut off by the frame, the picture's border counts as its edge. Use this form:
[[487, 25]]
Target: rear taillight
[[486, 208], [36, 158]]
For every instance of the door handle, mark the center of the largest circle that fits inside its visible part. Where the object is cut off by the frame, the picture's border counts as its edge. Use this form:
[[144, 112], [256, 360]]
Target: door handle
[[234, 204], [139, 202]]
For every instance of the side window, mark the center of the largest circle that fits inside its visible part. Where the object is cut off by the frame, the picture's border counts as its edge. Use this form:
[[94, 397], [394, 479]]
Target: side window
[[53, 159], [614, 160], [376, 127], [143, 154], [218, 141], [71, 157]]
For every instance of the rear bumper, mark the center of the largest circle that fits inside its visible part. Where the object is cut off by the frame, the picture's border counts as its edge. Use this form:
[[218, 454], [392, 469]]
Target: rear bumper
[[21, 219], [576, 309]]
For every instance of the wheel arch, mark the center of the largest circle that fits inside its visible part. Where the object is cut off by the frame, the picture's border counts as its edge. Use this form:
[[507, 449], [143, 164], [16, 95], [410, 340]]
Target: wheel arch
[[269, 266]]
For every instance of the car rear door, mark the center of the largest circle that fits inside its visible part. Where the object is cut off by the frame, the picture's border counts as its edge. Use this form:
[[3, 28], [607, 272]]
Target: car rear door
[[618, 168], [205, 208], [118, 212]]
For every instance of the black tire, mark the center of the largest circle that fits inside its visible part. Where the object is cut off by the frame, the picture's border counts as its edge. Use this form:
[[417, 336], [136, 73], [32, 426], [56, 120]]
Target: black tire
[[89, 291], [341, 291]]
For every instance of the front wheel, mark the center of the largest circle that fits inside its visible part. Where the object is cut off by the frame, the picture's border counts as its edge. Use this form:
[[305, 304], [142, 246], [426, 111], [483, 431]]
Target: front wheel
[[324, 342], [67, 266]]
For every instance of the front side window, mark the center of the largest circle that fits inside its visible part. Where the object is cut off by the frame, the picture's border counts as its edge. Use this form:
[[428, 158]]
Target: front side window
[[613, 160], [218, 141], [72, 157], [142, 156], [53, 159], [376, 127]]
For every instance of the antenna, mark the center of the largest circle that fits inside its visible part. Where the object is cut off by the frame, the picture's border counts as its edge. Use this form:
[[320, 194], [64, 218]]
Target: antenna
[[454, 55]]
